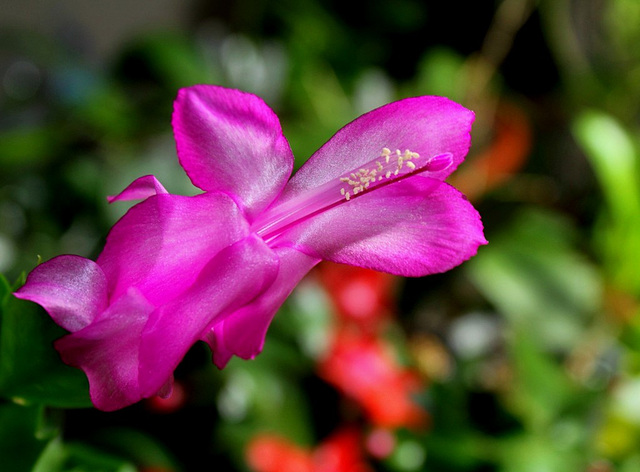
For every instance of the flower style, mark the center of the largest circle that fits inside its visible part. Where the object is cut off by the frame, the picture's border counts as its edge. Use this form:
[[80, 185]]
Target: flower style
[[217, 266]]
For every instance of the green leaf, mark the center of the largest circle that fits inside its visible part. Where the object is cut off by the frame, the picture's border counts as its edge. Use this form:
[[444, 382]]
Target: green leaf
[[441, 72], [542, 389], [23, 147], [538, 280], [30, 369], [19, 446], [61, 457], [528, 453], [136, 446], [612, 155], [5, 291], [631, 464], [462, 450], [614, 158]]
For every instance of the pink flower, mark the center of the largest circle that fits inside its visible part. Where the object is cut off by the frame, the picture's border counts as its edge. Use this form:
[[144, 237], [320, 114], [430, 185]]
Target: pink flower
[[218, 265]]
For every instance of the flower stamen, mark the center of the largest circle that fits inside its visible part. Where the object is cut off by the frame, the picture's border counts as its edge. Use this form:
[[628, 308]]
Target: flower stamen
[[366, 176], [389, 167]]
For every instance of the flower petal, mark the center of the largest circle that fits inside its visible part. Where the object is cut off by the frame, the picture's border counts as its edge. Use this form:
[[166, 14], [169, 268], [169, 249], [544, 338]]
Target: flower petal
[[429, 125], [161, 244], [72, 289], [242, 333], [231, 141], [141, 188], [107, 351], [414, 227], [234, 277]]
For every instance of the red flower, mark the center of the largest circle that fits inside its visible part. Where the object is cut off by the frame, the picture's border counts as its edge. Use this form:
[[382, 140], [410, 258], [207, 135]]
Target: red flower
[[364, 368], [502, 158], [341, 452], [171, 403], [270, 453], [359, 295]]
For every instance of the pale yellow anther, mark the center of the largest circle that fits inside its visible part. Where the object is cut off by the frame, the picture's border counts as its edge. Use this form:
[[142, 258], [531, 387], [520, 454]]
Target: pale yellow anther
[[361, 180]]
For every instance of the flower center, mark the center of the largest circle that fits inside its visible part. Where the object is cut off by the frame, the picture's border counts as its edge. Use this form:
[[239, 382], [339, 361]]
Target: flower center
[[389, 167]]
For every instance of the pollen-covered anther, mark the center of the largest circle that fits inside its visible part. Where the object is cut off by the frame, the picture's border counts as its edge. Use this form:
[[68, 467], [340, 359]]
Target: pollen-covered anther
[[361, 180], [386, 153]]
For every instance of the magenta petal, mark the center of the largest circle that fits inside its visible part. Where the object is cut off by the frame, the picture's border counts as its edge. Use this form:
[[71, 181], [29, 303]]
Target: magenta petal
[[429, 125], [72, 289], [107, 351], [234, 277], [162, 243], [231, 141], [141, 188], [415, 227], [242, 333]]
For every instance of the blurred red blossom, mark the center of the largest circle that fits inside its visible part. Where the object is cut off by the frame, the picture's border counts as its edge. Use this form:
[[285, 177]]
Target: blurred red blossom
[[364, 367], [502, 158], [341, 452], [361, 296], [271, 453], [169, 404], [380, 443]]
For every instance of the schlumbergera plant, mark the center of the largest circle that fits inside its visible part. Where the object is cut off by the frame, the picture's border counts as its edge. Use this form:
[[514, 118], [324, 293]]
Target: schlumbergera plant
[[217, 266]]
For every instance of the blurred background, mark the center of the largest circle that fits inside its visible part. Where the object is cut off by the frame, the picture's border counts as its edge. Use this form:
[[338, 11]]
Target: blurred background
[[524, 359]]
